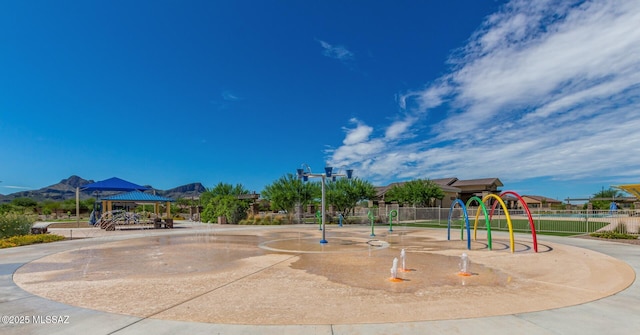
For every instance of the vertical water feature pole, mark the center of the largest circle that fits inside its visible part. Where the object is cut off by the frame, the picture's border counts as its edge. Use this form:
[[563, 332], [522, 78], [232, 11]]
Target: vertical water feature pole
[[328, 174], [392, 214], [324, 212], [371, 218]]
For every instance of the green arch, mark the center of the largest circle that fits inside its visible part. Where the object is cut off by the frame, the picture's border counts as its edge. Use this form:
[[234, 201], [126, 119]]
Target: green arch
[[486, 219]]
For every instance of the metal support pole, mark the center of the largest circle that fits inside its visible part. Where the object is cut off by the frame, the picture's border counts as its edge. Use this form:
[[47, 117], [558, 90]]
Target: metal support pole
[[324, 240]]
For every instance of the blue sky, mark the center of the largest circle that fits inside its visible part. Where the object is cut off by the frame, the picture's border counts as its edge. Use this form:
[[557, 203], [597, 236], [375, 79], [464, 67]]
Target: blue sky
[[543, 95]]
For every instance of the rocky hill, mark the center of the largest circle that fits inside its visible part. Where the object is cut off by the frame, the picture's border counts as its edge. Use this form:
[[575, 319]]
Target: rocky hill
[[66, 189], [192, 190]]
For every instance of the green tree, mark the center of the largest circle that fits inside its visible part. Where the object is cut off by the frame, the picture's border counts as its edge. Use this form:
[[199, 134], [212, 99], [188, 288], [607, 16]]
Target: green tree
[[24, 205], [49, 207], [69, 205], [288, 191], [87, 204], [418, 193], [344, 194], [605, 194], [225, 200]]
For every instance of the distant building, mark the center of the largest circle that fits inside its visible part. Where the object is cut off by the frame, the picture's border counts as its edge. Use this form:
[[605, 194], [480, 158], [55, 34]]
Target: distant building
[[534, 202]]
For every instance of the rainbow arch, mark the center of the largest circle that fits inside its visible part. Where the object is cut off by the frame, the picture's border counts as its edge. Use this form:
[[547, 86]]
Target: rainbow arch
[[532, 224], [486, 220], [489, 217]]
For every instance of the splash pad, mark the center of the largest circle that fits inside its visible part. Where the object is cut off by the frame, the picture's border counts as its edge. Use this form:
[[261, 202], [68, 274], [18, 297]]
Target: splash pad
[[281, 275]]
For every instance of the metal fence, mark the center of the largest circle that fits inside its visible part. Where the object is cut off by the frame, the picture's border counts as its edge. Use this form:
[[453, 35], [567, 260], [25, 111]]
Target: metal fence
[[545, 221]]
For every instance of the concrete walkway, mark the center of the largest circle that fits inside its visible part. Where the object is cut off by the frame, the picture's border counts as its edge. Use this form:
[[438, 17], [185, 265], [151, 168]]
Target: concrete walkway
[[617, 314]]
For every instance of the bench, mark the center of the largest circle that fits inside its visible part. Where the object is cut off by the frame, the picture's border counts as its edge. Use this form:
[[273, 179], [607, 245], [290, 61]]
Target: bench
[[40, 227], [158, 223]]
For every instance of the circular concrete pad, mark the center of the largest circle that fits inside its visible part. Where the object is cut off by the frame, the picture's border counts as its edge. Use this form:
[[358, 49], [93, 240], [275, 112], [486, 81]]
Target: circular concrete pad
[[285, 276]]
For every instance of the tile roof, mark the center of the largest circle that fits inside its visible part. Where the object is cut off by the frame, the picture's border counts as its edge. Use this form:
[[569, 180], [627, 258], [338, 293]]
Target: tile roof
[[137, 196]]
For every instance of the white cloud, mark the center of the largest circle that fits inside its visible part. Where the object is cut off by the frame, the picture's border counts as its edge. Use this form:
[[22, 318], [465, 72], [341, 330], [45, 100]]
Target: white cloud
[[229, 96], [358, 134], [398, 128], [17, 187], [335, 51], [542, 89]]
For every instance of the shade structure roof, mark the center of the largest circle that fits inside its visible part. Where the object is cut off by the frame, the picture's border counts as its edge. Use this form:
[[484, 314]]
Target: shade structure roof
[[137, 196], [113, 184], [633, 189]]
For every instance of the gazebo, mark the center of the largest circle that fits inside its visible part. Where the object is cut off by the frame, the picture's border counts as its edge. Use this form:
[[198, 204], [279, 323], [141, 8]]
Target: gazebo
[[138, 197], [111, 184]]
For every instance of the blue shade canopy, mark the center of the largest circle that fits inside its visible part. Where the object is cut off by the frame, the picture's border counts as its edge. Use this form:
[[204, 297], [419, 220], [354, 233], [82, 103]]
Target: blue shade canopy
[[113, 184], [137, 196]]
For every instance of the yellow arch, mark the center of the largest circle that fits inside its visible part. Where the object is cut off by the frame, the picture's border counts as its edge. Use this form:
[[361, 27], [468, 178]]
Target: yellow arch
[[506, 212]]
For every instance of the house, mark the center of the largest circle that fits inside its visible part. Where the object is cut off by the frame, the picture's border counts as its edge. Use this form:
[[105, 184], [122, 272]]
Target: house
[[453, 189], [474, 187], [540, 202], [532, 201]]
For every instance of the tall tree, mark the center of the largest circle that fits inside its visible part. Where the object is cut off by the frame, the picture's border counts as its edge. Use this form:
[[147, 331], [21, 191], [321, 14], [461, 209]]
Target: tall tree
[[609, 193], [344, 194], [224, 200], [419, 193], [288, 191]]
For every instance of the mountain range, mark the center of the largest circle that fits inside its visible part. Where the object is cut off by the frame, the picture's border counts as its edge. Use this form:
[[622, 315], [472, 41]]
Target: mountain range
[[66, 189]]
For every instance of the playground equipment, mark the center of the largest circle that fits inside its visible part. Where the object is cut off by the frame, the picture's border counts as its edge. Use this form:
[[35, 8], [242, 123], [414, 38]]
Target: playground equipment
[[489, 216], [319, 217], [110, 219], [371, 218], [392, 214]]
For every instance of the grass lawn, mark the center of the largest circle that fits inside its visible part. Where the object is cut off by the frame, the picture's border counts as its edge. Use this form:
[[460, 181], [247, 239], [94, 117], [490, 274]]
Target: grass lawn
[[543, 227]]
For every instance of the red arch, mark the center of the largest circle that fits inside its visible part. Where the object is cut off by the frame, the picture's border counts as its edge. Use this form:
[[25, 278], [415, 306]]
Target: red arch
[[526, 209]]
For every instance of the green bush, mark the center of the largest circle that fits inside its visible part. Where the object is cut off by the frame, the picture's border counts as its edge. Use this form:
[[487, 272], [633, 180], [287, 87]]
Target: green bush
[[12, 224]]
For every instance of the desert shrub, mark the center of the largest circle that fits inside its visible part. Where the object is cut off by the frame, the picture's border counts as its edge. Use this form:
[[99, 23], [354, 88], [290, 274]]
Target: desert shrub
[[614, 235], [267, 220], [621, 228], [277, 220], [12, 224]]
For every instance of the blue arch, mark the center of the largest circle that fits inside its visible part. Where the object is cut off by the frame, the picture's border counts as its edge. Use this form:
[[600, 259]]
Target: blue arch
[[466, 220]]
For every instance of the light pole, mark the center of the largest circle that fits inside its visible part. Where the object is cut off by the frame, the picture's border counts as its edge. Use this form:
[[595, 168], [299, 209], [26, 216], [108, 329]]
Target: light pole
[[327, 174]]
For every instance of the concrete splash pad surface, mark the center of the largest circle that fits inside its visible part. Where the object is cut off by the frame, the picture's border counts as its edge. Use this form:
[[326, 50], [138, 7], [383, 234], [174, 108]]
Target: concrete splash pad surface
[[284, 276]]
